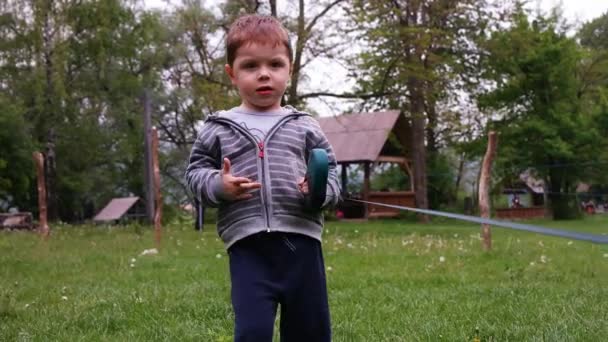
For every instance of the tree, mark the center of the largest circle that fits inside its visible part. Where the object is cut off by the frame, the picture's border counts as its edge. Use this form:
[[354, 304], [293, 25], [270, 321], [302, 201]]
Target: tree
[[413, 50], [593, 87], [77, 68], [543, 124]]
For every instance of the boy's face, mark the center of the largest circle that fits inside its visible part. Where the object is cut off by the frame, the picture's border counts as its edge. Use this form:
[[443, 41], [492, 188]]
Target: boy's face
[[260, 72]]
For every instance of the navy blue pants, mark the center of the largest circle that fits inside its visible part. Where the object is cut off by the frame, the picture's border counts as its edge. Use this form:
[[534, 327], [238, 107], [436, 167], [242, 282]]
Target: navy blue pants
[[268, 269]]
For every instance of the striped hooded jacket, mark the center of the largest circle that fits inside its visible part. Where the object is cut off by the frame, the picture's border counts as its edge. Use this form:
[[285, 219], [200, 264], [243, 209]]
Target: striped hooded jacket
[[277, 163]]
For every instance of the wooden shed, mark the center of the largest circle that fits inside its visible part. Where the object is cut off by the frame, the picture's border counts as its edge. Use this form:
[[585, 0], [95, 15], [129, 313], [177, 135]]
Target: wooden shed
[[369, 138]]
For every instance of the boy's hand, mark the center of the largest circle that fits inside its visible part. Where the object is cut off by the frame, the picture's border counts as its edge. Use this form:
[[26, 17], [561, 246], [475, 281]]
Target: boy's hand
[[236, 188], [303, 185]]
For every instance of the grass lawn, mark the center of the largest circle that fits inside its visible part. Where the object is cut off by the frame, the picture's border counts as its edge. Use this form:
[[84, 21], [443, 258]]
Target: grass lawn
[[388, 281]]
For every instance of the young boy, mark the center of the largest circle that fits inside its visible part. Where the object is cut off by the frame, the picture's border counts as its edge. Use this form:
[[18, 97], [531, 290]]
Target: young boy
[[250, 161]]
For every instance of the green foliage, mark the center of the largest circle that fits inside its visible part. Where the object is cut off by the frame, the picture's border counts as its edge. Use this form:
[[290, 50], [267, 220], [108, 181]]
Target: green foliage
[[16, 166], [441, 180], [389, 177], [594, 34], [542, 123]]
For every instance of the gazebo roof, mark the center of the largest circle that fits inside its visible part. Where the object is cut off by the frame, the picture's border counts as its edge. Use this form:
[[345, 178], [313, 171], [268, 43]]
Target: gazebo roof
[[359, 137]]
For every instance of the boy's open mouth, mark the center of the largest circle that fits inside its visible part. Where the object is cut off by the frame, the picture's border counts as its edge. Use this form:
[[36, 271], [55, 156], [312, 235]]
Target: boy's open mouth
[[264, 90]]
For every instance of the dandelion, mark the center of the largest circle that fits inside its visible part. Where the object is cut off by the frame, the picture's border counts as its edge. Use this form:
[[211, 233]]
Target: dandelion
[[350, 245], [442, 259], [218, 256], [179, 243], [570, 243], [329, 269], [27, 306], [605, 255], [339, 241], [543, 259], [64, 298], [532, 263], [133, 260], [540, 243], [356, 231], [132, 265], [198, 247]]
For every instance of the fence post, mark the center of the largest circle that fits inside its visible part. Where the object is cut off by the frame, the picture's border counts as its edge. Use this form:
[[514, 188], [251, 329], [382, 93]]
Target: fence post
[[158, 206], [484, 189], [42, 208]]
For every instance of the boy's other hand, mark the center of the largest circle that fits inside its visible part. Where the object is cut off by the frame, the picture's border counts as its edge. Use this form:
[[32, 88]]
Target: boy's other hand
[[303, 185], [236, 188]]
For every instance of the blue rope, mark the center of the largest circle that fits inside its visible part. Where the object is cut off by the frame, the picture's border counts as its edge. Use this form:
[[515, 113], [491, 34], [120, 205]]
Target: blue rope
[[600, 239]]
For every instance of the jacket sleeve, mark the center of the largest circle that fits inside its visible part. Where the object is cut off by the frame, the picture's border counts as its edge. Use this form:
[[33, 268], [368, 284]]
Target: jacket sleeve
[[203, 174], [317, 139]]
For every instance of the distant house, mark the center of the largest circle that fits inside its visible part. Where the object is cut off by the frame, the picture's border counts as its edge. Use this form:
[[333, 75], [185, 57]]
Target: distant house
[[525, 198], [122, 209]]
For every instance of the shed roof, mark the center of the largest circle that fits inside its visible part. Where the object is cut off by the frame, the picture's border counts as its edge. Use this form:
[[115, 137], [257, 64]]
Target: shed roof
[[358, 137], [116, 209]]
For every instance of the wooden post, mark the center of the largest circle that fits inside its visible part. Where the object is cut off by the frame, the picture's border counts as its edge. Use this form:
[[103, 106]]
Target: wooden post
[[366, 187], [42, 208], [344, 177], [484, 189], [157, 197]]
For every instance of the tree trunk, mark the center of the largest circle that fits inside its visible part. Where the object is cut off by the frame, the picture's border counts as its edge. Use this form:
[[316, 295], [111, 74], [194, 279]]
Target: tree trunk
[[50, 176], [297, 61], [418, 145], [431, 125], [563, 206], [50, 168]]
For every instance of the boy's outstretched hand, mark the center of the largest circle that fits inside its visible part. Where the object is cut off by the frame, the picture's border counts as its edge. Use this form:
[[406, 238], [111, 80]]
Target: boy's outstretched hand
[[236, 188], [303, 185]]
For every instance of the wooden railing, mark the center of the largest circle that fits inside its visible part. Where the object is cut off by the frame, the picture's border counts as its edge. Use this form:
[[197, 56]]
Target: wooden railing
[[402, 198], [521, 213]]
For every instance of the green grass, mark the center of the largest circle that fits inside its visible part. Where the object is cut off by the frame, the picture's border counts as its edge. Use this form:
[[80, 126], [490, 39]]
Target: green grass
[[388, 281]]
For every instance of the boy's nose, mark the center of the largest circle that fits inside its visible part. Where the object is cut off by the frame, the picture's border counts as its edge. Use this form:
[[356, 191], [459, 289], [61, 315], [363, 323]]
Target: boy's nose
[[263, 74]]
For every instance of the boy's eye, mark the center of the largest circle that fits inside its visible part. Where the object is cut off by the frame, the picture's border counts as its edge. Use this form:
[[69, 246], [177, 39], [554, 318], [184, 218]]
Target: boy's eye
[[277, 64], [249, 65]]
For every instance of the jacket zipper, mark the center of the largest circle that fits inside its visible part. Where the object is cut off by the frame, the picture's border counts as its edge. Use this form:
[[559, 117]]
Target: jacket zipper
[[261, 153]]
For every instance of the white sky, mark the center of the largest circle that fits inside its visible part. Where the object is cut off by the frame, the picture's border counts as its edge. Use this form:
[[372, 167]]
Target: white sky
[[330, 76]]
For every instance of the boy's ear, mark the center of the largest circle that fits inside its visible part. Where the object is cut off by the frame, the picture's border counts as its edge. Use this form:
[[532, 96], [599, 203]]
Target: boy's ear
[[230, 72]]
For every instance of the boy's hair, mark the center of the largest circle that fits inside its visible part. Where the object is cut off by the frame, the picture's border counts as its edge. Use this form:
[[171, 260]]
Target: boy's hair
[[255, 28]]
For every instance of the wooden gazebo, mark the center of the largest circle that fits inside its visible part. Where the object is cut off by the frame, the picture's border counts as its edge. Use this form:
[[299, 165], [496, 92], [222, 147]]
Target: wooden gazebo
[[367, 138]]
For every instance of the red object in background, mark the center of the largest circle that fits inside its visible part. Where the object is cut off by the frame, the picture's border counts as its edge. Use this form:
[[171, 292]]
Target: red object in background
[[339, 214]]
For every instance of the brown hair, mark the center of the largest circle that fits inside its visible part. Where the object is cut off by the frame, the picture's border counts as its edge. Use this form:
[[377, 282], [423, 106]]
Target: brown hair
[[254, 28]]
